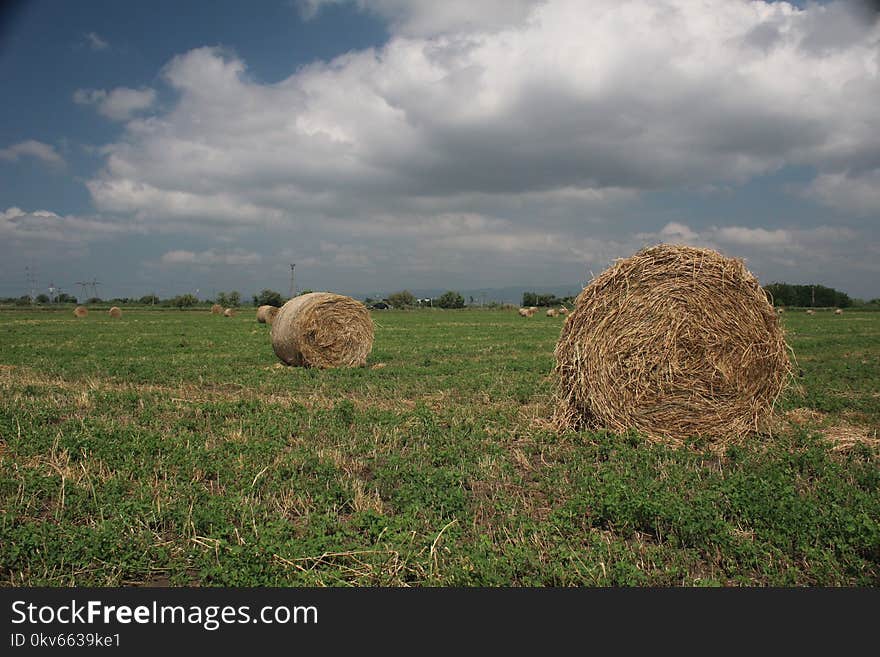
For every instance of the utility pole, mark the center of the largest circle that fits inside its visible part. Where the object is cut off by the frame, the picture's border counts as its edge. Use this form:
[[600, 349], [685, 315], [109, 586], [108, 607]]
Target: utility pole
[[82, 287], [812, 296], [292, 284], [31, 282], [95, 285]]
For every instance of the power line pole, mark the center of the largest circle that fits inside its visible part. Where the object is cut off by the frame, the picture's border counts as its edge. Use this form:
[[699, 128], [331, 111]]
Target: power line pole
[[292, 284], [82, 287], [31, 282], [95, 285]]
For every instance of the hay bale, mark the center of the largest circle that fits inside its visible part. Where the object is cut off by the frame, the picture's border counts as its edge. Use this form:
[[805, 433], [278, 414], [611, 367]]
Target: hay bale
[[322, 330], [673, 342], [266, 314], [524, 312], [563, 310], [115, 312], [551, 312], [261, 314], [839, 311], [229, 312], [80, 311], [532, 311], [216, 309], [811, 312]]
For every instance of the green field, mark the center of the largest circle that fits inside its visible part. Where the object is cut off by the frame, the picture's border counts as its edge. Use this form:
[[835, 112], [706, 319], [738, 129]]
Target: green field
[[171, 448]]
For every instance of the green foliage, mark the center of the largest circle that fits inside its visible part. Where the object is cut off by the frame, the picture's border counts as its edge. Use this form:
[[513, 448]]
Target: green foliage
[[544, 300], [450, 299], [149, 300], [184, 301], [269, 298], [42, 298], [403, 299], [229, 299], [818, 296]]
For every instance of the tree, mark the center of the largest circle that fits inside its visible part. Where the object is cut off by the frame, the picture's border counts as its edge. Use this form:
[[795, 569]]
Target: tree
[[184, 301], [450, 299], [269, 298], [229, 299], [402, 299], [785, 294], [65, 298], [42, 298], [149, 300]]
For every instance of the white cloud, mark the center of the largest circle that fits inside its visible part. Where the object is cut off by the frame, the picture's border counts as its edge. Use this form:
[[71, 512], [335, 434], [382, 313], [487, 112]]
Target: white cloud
[[32, 148], [96, 42], [210, 257], [519, 135], [17, 225], [858, 193], [757, 237], [119, 104]]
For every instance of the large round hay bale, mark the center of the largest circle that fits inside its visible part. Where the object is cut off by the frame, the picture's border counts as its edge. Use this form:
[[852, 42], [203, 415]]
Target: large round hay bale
[[551, 312], [838, 312], [115, 312], [321, 329], [266, 314], [229, 312], [216, 309], [80, 311], [673, 342], [524, 312]]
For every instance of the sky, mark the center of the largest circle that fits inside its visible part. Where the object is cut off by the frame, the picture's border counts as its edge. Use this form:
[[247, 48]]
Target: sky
[[170, 148]]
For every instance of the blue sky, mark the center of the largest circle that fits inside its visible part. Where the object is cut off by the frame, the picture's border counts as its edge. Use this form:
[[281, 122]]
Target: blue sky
[[385, 144]]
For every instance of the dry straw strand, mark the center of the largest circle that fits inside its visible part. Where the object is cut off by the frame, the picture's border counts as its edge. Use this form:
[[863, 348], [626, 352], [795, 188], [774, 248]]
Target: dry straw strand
[[672, 342], [321, 329]]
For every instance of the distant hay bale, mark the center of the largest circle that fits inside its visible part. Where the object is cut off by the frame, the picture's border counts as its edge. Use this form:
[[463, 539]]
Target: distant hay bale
[[229, 312], [811, 312], [563, 310], [524, 312], [115, 312], [551, 312], [839, 311], [534, 309], [80, 311], [265, 314], [323, 330], [216, 309], [672, 342]]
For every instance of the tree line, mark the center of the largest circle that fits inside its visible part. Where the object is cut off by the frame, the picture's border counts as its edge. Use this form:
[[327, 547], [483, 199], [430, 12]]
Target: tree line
[[809, 296]]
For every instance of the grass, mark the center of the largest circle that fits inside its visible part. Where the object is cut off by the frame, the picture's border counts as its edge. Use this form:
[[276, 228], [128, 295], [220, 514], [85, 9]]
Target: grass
[[171, 448]]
